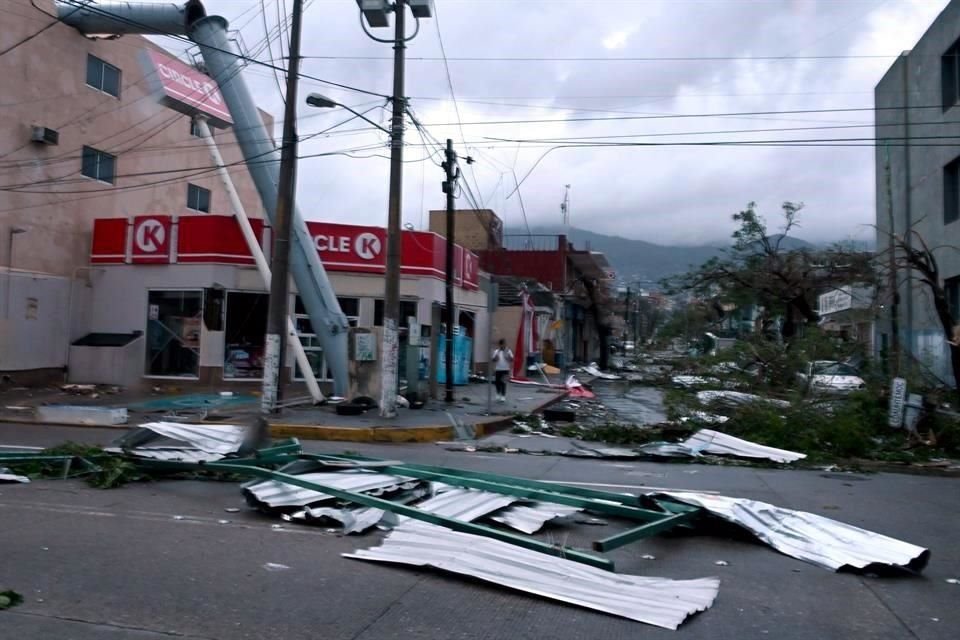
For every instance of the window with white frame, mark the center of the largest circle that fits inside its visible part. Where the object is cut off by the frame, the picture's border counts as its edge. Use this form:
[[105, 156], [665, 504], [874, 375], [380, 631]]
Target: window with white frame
[[198, 198], [103, 76], [98, 165]]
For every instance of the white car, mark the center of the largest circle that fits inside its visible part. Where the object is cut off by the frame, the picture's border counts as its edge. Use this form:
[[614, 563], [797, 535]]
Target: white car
[[829, 376]]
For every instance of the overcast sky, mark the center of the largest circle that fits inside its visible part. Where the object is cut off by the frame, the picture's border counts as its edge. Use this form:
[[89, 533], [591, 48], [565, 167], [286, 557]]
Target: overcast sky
[[665, 194]]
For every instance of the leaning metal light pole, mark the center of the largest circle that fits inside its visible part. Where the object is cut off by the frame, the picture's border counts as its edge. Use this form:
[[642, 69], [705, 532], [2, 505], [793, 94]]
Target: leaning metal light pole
[[286, 196], [375, 13]]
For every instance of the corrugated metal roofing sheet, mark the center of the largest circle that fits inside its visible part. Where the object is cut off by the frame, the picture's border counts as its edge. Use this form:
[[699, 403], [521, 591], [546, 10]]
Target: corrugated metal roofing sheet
[[219, 439], [352, 520], [278, 494], [465, 504], [715, 442], [8, 476], [734, 398], [809, 537], [529, 518], [169, 453], [718, 443], [658, 601]]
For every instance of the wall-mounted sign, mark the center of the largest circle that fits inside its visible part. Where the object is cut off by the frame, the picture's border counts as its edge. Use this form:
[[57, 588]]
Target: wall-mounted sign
[[355, 248], [365, 347], [898, 398], [184, 89], [217, 239], [836, 300], [151, 240]]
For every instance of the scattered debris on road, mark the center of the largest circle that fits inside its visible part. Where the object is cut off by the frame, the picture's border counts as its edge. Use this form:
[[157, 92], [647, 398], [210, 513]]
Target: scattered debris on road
[[720, 444], [594, 371], [687, 382], [657, 601], [806, 536], [736, 398], [9, 476], [9, 599], [80, 415], [481, 524], [181, 442]]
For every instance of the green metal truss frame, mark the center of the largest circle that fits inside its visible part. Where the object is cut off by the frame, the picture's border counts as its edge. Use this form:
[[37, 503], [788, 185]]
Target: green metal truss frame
[[664, 516]]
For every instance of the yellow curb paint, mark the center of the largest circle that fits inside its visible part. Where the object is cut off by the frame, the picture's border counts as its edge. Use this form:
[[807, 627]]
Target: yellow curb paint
[[431, 433]]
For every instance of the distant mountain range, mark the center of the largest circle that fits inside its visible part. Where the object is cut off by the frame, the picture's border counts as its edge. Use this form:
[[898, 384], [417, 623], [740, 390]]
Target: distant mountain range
[[644, 263]]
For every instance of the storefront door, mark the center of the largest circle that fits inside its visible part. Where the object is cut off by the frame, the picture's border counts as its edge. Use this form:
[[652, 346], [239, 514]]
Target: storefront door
[[173, 333]]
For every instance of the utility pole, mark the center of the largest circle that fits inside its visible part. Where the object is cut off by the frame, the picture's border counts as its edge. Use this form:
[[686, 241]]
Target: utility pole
[[391, 305], [892, 267], [280, 261], [626, 316], [375, 13], [449, 188]]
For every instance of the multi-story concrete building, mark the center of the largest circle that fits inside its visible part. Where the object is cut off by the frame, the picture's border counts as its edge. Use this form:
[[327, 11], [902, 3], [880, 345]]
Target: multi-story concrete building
[[917, 114], [82, 136], [121, 258]]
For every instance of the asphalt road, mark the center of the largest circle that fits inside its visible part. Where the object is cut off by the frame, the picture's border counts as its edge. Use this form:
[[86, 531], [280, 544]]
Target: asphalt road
[[151, 561]]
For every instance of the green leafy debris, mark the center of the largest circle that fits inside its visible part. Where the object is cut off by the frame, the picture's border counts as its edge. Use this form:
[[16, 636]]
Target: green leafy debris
[[9, 599]]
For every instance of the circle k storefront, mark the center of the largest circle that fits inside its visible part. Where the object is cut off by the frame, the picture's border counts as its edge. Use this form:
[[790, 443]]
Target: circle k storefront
[[181, 297]]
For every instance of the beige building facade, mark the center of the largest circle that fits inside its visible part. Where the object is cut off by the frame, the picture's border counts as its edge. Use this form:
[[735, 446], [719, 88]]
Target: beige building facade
[[83, 136]]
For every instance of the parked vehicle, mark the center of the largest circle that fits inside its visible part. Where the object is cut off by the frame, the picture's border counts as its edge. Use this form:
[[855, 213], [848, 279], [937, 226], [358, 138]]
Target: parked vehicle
[[828, 376], [629, 345]]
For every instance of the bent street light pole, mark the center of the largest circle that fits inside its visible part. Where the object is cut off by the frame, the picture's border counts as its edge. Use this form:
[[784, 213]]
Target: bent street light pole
[[391, 308], [280, 262]]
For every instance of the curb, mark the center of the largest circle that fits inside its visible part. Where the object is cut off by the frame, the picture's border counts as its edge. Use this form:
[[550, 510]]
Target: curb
[[429, 433], [386, 433], [34, 421]]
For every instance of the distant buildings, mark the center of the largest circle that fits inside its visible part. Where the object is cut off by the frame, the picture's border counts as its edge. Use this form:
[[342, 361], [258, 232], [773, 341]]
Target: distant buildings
[[577, 281]]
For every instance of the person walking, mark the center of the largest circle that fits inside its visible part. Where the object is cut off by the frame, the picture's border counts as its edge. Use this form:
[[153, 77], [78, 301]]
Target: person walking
[[502, 364]]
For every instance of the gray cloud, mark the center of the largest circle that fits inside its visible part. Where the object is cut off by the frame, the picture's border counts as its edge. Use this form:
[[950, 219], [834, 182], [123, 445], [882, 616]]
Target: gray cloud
[[667, 194]]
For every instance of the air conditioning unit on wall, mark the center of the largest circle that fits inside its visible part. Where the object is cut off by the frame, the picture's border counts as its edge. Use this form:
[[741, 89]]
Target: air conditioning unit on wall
[[45, 135]]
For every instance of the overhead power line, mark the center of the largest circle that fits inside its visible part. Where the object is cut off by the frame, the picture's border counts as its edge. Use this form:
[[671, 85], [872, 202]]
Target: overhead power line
[[20, 188], [665, 116], [240, 56], [609, 58], [453, 97]]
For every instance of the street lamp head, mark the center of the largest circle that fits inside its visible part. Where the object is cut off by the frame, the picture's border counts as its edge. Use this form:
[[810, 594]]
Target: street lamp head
[[15, 230], [421, 8], [375, 12], [321, 101]]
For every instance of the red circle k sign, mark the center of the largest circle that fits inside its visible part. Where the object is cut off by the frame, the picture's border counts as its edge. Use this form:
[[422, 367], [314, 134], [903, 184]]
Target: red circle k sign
[[151, 239], [150, 236]]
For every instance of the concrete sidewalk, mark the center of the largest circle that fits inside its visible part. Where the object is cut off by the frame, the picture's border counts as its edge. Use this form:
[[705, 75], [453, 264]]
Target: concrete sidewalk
[[435, 421]]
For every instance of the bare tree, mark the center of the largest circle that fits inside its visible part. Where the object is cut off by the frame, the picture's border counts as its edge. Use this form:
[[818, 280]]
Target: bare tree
[[775, 272], [916, 259]]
